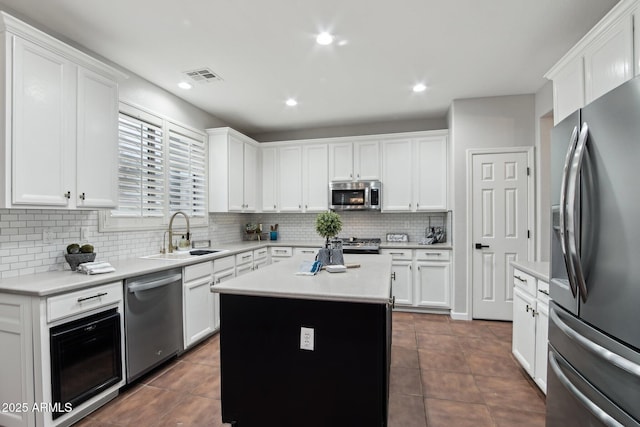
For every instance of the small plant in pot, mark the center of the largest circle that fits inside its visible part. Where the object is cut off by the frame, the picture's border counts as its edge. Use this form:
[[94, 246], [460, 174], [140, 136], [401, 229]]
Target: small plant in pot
[[77, 254], [328, 225]]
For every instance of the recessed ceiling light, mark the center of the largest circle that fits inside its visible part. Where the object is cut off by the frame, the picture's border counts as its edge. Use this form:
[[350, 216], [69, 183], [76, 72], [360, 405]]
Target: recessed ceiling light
[[184, 85], [291, 102], [324, 38], [420, 87]]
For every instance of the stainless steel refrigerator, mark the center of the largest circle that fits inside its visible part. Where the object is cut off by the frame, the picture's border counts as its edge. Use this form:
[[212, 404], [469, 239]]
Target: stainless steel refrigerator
[[594, 318]]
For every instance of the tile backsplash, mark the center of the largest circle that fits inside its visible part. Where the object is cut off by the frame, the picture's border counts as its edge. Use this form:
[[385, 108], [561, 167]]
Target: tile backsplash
[[23, 250]]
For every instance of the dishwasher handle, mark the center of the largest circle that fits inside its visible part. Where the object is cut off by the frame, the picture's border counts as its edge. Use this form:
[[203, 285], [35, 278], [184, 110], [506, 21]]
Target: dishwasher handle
[[143, 285]]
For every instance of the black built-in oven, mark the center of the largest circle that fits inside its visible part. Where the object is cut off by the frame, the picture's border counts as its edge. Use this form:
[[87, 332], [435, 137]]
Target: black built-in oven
[[85, 359]]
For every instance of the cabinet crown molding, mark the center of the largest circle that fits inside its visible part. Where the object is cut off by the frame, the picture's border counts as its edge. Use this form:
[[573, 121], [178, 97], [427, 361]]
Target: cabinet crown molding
[[620, 11], [12, 25]]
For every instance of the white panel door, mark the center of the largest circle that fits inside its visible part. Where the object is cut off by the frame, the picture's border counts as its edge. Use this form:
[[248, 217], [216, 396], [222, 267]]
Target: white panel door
[[97, 141], [315, 181], [236, 174], [397, 174], [500, 225], [431, 170], [43, 144], [290, 188], [269, 179], [341, 161], [366, 160]]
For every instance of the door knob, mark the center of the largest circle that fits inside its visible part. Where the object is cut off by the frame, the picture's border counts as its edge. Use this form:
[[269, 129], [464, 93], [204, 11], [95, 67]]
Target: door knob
[[480, 246]]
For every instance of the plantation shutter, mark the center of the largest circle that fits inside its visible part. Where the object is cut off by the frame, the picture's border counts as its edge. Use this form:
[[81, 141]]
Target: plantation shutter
[[187, 168], [141, 181]]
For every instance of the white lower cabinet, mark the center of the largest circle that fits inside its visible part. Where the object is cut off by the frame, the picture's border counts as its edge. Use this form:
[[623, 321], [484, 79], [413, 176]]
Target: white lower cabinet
[[524, 329], [198, 303], [280, 253], [260, 258], [531, 326], [223, 270], [244, 263], [420, 278], [311, 252]]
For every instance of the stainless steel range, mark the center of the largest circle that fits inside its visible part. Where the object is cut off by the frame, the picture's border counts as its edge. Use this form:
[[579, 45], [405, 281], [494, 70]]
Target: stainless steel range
[[353, 245]]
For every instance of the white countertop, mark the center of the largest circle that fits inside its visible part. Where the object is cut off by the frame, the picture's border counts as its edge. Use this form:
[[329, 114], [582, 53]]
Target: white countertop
[[57, 282], [370, 283], [538, 269]]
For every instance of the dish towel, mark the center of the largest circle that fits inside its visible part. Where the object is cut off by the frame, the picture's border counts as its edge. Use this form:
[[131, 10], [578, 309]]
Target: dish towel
[[95, 268]]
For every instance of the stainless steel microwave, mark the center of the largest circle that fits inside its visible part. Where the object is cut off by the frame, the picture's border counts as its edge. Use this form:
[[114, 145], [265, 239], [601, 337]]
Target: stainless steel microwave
[[358, 195]]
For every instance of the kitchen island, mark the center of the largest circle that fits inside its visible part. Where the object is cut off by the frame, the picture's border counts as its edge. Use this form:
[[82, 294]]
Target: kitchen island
[[307, 350]]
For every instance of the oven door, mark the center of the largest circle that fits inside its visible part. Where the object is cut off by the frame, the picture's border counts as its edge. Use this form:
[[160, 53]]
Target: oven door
[[85, 358]]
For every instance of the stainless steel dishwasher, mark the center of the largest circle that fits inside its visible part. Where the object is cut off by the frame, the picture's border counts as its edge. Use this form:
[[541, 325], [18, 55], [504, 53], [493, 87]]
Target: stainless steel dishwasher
[[153, 320]]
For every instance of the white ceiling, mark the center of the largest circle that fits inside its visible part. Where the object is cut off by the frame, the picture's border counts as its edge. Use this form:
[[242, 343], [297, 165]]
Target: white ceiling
[[265, 51]]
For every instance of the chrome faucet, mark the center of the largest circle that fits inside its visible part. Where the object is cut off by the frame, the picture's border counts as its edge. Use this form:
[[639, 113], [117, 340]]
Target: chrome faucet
[[171, 247]]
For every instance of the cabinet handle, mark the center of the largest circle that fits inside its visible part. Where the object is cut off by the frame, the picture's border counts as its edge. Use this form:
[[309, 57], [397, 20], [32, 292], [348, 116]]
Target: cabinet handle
[[396, 253], [82, 197], [274, 206], [67, 195], [520, 278], [246, 256], [101, 294], [409, 205], [542, 291], [393, 276], [359, 178], [417, 205], [306, 206], [299, 206], [432, 254], [350, 175]]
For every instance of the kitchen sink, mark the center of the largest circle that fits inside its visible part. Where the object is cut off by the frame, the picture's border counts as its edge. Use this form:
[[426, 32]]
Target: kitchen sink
[[178, 255]]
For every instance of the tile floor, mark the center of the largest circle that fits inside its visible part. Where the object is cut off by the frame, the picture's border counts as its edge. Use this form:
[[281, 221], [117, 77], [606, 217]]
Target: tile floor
[[443, 373]]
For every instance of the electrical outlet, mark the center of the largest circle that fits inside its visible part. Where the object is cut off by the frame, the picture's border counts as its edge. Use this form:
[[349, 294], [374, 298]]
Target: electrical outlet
[[83, 233], [47, 236], [306, 338]]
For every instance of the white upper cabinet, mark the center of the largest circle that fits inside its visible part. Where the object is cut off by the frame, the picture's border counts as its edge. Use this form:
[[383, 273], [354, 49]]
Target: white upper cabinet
[[354, 161], [97, 155], [397, 175], [61, 137], [269, 179], [608, 61], [431, 173], [602, 60], [290, 168], [414, 172], [315, 182], [233, 171]]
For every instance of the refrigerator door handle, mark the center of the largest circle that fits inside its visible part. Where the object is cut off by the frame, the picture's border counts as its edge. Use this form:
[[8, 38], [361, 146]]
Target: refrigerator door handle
[[573, 191], [598, 412], [601, 352], [563, 211]]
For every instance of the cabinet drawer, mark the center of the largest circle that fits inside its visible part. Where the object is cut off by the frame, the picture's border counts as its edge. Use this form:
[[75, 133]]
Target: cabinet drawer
[[83, 300], [543, 291], [306, 251], [433, 255], [398, 253], [224, 263], [524, 281], [244, 257], [284, 251], [260, 253], [196, 271]]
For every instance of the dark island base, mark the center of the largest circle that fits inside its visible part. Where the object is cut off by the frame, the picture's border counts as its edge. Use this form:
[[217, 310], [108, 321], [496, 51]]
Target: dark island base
[[267, 380]]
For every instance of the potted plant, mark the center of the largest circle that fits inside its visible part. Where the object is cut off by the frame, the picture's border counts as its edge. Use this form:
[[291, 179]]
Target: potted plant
[[328, 225]]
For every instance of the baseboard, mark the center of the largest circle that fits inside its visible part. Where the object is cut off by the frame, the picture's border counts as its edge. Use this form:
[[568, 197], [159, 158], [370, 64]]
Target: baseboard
[[460, 316]]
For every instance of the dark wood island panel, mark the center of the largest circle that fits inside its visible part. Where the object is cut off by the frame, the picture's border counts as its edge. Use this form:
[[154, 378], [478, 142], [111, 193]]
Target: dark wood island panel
[[268, 380]]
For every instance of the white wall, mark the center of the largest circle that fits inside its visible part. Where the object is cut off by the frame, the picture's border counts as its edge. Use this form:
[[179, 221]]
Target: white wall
[[380, 127], [506, 121], [544, 124]]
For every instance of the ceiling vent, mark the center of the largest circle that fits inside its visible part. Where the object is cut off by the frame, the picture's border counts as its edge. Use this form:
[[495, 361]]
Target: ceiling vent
[[202, 75]]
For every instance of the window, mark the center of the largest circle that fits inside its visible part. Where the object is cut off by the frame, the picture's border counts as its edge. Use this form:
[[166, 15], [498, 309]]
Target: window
[[161, 170]]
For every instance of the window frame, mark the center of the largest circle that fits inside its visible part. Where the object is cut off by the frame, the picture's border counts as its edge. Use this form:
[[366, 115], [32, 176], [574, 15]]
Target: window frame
[[108, 221]]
